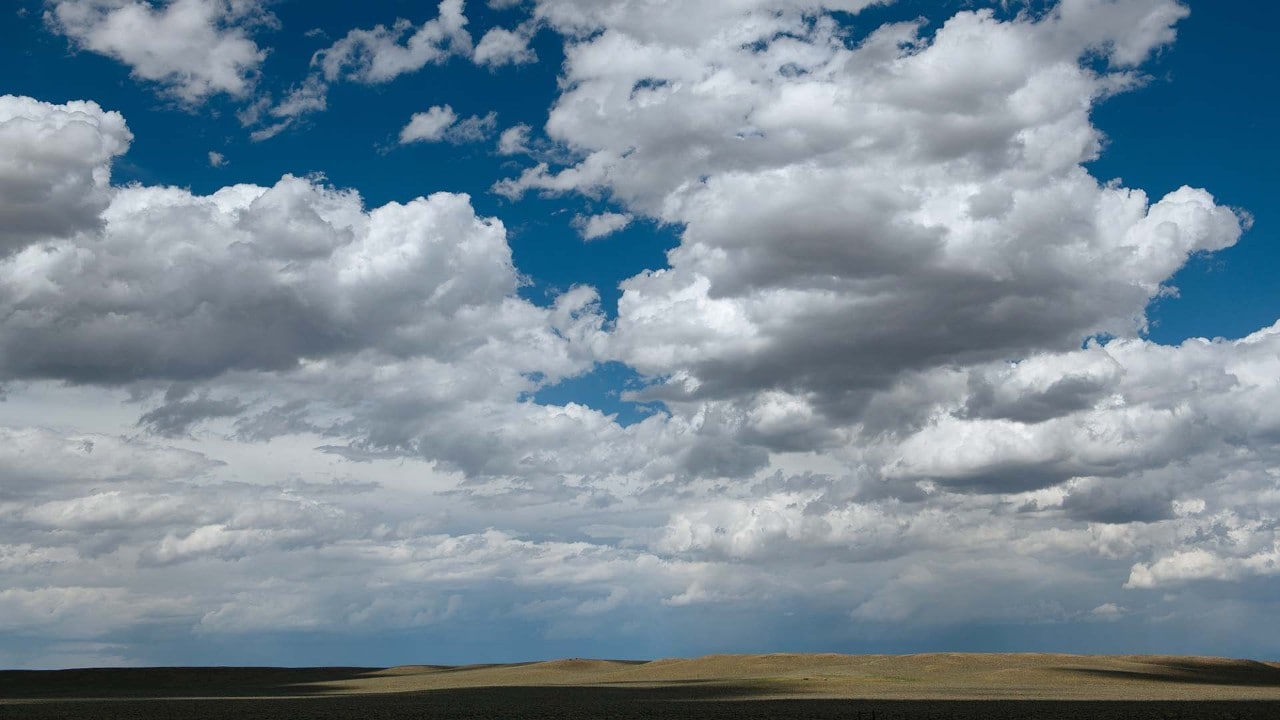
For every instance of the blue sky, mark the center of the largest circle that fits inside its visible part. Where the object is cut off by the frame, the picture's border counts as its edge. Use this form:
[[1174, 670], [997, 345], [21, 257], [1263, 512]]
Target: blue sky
[[829, 370]]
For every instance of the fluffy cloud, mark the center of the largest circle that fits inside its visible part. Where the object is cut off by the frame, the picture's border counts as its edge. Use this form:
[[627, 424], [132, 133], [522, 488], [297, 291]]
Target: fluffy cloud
[[441, 123], [55, 168], [192, 48], [381, 54], [514, 140], [500, 46], [947, 217], [428, 126], [270, 305], [252, 278], [1135, 416], [594, 227]]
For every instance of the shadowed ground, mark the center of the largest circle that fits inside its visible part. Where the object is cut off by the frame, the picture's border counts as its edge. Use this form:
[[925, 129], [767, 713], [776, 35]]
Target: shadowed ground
[[937, 686]]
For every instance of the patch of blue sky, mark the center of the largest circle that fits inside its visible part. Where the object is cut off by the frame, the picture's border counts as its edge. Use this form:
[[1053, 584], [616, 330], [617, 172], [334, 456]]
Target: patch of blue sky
[[1209, 118], [605, 389]]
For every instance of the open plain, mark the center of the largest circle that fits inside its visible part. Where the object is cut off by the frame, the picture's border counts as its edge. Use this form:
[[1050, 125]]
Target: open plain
[[936, 686]]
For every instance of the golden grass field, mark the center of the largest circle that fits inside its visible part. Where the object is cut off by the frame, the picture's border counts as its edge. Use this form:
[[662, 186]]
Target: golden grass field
[[940, 686], [951, 676]]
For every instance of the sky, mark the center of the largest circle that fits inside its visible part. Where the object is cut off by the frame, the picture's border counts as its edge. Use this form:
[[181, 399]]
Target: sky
[[412, 332]]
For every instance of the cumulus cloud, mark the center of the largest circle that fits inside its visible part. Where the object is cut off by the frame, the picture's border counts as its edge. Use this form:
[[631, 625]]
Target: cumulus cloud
[[948, 218], [594, 227], [514, 140], [1128, 427], [428, 126], [193, 49], [55, 168], [500, 46], [1185, 566], [321, 275], [264, 304]]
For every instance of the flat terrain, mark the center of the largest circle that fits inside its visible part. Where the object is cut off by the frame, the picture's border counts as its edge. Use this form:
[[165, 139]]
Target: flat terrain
[[938, 686]]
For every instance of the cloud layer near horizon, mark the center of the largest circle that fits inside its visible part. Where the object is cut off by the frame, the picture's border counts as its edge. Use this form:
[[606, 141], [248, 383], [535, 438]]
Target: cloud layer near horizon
[[899, 349]]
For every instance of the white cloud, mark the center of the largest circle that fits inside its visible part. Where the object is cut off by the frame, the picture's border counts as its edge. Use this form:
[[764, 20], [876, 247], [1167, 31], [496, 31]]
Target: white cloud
[[310, 262], [38, 459], [948, 218], [55, 168], [594, 227], [381, 54], [309, 97], [500, 46], [192, 48], [217, 159], [429, 126], [441, 123], [73, 612], [1109, 612], [514, 140]]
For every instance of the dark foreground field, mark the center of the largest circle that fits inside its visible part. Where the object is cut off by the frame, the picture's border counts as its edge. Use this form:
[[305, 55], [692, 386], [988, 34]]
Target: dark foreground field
[[935, 687], [596, 703]]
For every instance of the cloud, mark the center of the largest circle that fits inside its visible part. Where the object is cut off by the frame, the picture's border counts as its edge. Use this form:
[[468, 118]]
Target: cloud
[[500, 46], [441, 123], [473, 129], [514, 140], [595, 227], [39, 460], [322, 276], [381, 54], [1109, 612], [307, 98], [272, 118], [677, 24], [428, 126], [217, 159], [192, 49], [228, 557], [178, 414], [55, 168], [1184, 566], [1128, 428], [948, 218], [73, 612]]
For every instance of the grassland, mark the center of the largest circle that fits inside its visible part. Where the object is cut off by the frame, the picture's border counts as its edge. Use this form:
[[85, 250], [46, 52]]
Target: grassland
[[936, 686]]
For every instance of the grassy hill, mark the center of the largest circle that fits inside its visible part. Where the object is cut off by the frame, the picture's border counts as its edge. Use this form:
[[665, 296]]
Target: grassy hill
[[941, 676]]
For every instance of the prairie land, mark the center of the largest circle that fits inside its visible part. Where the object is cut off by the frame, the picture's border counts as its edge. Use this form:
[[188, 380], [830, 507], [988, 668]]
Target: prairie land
[[938, 686]]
